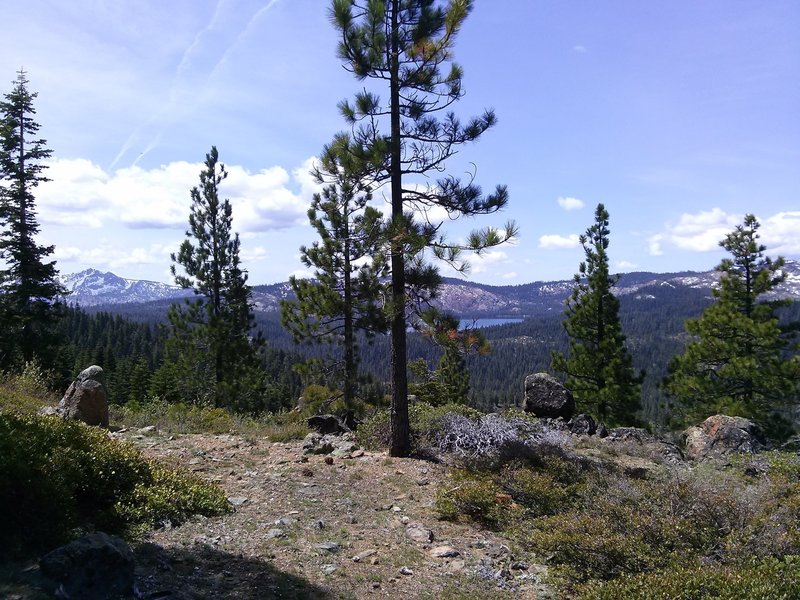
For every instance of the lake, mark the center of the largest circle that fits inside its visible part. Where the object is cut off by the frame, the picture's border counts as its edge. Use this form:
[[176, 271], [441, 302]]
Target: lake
[[479, 323]]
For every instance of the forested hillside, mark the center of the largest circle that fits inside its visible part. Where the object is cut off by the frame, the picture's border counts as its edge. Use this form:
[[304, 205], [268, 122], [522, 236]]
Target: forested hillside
[[130, 339]]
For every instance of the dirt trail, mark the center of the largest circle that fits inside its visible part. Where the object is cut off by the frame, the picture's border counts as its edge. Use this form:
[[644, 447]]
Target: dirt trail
[[321, 527]]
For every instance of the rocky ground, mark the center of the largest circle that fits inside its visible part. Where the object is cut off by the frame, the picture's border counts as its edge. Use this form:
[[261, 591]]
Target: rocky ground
[[351, 524]]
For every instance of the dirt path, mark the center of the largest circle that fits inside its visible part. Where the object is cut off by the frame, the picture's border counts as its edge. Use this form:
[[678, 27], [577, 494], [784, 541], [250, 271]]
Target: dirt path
[[321, 527]]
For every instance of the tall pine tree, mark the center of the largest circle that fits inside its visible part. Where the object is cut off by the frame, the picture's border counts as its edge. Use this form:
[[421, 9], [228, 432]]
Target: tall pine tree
[[345, 296], [738, 361], [211, 355], [406, 46], [598, 367], [29, 291]]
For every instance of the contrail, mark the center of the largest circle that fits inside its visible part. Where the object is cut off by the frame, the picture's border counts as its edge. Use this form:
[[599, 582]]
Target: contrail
[[240, 37], [153, 143], [182, 66]]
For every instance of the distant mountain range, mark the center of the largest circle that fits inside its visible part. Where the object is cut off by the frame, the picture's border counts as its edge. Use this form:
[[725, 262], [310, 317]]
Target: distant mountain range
[[463, 298]]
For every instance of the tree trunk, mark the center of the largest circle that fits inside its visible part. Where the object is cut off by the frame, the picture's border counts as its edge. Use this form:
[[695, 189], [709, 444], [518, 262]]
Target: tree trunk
[[401, 442]]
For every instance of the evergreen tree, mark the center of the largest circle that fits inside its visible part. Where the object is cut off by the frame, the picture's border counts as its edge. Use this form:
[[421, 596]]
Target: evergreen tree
[[406, 46], [211, 356], [738, 362], [450, 382], [29, 291], [346, 295], [598, 367]]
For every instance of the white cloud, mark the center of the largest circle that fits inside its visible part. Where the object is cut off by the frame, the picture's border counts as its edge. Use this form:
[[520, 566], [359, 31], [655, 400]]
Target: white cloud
[[579, 49], [253, 254], [625, 264], [106, 256], [81, 193], [509, 275], [559, 241], [569, 203], [695, 232], [302, 274], [703, 231], [654, 245], [480, 263], [780, 233]]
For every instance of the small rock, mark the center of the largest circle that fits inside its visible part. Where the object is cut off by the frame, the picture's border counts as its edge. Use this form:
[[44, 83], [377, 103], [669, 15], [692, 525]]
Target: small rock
[[362, 555], [519, 566], [418, 533], [406, 571], [444, 552], [148, 429], [328, 569], [421, 482], [457, 565], [331, 547], [237, 500], [396, 508], [285, 522], [320, 524], [275, 533], [405, 520]]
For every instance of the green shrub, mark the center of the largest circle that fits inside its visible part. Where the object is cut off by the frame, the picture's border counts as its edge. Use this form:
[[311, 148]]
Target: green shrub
[[475, 497], [175, 417], [286, 426], [57, 475], [770, 579], [425, 422], [541, 492]]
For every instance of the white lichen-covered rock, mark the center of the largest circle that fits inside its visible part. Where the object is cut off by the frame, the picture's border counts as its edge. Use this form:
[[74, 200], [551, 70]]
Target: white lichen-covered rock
[[720, 434]]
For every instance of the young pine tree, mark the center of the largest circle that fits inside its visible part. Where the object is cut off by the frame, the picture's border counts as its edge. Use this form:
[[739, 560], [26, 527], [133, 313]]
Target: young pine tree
[[450, 382], [738, 362], [407, 46], [346, 295], [598, 367], [211, 356], [29, 290]]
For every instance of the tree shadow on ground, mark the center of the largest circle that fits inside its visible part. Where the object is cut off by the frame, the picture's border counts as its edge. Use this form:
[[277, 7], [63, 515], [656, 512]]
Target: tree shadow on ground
[[202, 571], [192, 573]]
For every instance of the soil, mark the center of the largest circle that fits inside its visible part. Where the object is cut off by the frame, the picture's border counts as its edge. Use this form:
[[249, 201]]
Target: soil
[[318, 526]]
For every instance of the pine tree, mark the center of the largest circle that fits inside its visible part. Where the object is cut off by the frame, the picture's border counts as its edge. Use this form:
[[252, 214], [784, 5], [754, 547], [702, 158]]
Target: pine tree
[[450, 382], [29, 291], [598, 367], [738, 362], [345, 296], [211, 356], [406, 45]]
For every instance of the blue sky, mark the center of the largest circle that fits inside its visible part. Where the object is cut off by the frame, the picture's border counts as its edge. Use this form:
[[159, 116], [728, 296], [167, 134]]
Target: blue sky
[[679, 116]]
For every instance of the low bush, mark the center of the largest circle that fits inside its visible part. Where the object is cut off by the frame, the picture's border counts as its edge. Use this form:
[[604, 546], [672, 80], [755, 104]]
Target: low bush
[[175, 417], [286, 426], [426, 423], [770, 579], [56, 476], [477, 498]]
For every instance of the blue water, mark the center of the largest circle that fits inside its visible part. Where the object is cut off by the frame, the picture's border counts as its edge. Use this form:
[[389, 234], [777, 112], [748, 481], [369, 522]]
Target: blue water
[[478, 323]]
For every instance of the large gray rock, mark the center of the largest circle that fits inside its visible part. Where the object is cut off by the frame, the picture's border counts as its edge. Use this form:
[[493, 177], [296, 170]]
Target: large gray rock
[[86, 398], [545, 396], [720, 434], [95, 567]]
